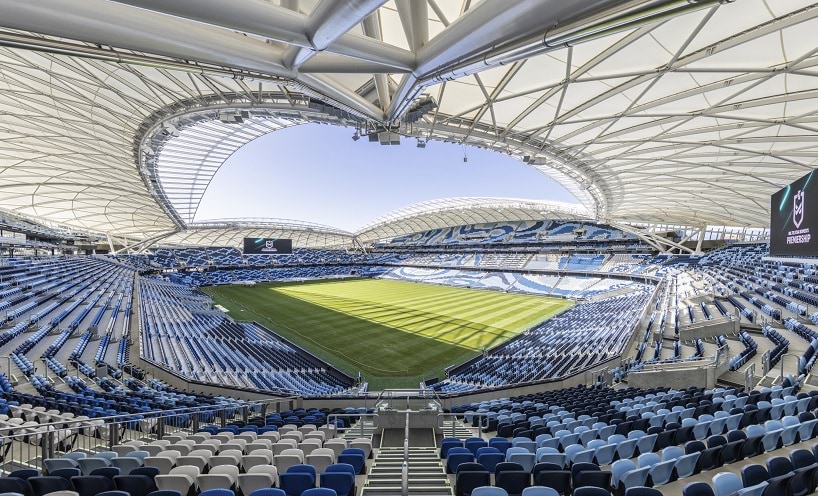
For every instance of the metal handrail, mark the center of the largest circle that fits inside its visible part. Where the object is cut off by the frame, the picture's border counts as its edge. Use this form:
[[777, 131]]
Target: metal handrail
[[404, 472], [374, 416], [442, 425], [154, 414]]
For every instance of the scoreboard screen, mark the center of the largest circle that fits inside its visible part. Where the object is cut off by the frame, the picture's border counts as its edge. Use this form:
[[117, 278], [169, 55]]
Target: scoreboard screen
[[794, 218], [267, 246]]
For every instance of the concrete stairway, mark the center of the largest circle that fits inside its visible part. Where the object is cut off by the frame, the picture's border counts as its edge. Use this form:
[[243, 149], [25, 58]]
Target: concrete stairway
[[426, 473]]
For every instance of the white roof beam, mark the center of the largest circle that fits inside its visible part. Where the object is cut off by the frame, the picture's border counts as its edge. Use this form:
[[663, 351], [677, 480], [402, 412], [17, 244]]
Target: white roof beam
[[328, 22], [286, 25]]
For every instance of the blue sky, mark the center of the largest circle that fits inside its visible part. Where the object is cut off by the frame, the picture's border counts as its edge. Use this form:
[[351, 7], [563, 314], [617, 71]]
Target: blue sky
[[317, 173]]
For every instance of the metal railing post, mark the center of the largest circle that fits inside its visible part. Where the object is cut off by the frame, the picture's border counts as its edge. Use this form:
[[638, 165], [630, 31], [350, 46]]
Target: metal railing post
[[160, 427], [223, 417], [113, 435], [245, 414], [195, 422]]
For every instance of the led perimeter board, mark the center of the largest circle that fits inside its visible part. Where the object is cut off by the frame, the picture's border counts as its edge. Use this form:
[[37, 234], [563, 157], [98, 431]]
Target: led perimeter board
[[267, 246]]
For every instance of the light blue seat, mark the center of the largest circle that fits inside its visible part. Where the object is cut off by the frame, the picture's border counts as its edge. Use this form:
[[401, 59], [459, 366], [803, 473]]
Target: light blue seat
[[569, 440], [587, 436], [88, 465], [806, 429], [526, 460], [604, 455], [660, 473], [596, 443], [700, 430], [802, 404], [672, 452], [717, 426], [126, 463], [489, 491], [542, 438], [606, 432], [618, 469], [572, 450], [626, 448], [647, 460], [550, 443], [789, 434], [772, 435], [757, 490], [686, 465], [539, 491], [52, 464], [733, 421], [645, 443], [528, 444], [635, 478], [555, 458], [726, 484]]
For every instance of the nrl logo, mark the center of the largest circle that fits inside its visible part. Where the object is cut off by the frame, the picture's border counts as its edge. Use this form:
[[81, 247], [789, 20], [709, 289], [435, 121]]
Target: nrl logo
[[798, 209], [269, 244]]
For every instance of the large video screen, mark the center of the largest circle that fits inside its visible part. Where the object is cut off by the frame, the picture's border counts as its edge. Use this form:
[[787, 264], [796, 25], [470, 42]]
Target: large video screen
[[267, 246], [794, 218]]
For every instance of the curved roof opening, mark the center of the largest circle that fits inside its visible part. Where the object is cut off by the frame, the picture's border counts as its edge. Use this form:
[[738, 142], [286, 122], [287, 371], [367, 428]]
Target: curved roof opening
[[318, 173]]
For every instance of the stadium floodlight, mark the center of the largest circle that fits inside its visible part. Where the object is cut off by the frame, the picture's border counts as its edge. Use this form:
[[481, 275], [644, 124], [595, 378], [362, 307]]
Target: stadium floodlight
[[356, 136], [421, 143]]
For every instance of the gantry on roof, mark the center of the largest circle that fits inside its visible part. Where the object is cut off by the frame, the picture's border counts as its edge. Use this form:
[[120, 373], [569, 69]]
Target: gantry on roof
[[691, 113]]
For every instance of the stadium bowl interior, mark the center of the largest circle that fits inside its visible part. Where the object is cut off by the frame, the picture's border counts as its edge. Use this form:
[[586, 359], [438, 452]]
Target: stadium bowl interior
[[656, 335]]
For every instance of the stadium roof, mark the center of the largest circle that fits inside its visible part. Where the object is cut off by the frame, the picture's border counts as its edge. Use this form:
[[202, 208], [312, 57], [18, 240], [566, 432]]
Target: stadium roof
[[114, 115]]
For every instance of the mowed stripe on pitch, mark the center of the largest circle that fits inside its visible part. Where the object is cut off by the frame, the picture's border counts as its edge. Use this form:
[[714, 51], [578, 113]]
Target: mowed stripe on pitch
[[474, 319], [396, 332]]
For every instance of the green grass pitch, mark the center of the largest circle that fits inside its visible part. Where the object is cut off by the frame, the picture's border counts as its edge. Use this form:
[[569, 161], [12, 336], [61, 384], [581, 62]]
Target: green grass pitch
[[395, 333]]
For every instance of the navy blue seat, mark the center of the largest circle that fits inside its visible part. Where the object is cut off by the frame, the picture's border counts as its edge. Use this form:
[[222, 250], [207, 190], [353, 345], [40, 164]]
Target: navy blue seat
[[15, 485], [697, 489], [513, 481], [151, 472], [114, 493], [91, 485], [166, 492], [217, 492], [66, 473], [642, 491], [319, 491], [468, 480], [25, 473], [49, 484], [268, 492], [295, 483], [109, 472], [135, 485], [341, 482], [354, 458], [591, 491], [303, 469]]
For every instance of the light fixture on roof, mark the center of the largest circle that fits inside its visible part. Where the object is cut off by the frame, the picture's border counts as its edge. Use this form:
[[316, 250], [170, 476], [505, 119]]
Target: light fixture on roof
[[421, 143], [356, 136], [233, 117]]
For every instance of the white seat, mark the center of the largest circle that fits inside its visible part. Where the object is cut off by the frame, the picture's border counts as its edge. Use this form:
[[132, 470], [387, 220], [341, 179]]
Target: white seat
[[260, 444], [284, 444], [337, 445], [309, 445], [164, 464], [321, 460], [199, 462], [284, 462], [178, 482], [123, 449], [221, 477], [362, 443], [273, 436], [298, 436]]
